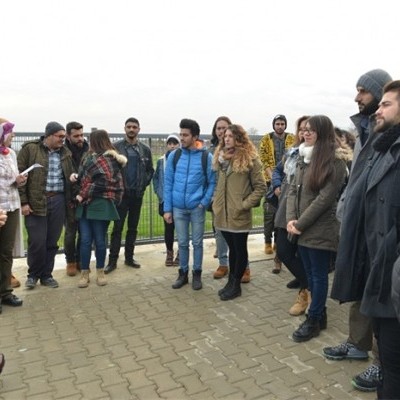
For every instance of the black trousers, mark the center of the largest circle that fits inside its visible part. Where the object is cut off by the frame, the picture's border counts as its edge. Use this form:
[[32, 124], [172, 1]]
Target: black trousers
[[130, 206], [287, 253], [238, 255], [387, 332]]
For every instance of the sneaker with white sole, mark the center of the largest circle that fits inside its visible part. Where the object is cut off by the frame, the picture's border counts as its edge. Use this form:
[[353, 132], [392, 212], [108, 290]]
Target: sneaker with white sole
[[368, 380], [344, 351]]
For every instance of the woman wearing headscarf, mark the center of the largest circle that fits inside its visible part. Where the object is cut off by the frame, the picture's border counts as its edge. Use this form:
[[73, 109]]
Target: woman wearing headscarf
[[10, 180]]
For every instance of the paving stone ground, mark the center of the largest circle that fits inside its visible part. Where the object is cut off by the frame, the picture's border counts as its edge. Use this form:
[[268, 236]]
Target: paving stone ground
[[137, 338]]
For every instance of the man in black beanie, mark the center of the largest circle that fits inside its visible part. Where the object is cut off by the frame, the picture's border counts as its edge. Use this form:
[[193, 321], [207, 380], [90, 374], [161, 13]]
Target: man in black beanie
[[369, 93], [44, 199]]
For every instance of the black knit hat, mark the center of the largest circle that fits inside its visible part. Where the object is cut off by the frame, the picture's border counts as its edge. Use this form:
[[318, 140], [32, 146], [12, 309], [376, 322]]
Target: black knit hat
[[279, 116], [373, 81], [52, 128]]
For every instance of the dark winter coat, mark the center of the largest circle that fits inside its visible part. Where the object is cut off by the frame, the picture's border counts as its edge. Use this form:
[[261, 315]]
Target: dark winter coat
[[145, 169], [33, 193], [315, 212], [370, 234]]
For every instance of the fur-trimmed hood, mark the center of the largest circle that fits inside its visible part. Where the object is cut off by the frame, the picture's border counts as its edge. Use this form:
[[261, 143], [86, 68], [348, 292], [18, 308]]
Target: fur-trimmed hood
[[344, 152], [121, 159]]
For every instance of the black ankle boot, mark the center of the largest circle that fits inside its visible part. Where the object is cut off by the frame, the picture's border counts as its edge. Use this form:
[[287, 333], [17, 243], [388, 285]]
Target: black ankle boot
[[196, 282], [233, 291], [323, 322], [307, 330], [182, 279], [227, 286]]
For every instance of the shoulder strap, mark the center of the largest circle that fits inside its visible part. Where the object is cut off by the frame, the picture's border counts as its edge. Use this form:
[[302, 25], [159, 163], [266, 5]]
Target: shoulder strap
[[204, 160], [177, 155]]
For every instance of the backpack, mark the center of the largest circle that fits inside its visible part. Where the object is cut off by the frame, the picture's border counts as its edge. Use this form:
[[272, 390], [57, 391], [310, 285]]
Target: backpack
[[204, 160]]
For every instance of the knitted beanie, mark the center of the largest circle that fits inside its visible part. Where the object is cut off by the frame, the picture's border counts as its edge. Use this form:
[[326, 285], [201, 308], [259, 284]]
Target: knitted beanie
[[374, 81], [279, 116], [52, 128]]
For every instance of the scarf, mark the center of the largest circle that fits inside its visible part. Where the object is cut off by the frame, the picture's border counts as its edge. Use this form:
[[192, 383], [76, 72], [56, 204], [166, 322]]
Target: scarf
[[306, 152]]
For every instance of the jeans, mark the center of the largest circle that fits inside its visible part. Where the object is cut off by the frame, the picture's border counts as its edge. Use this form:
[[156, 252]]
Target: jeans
[[43, 235], [238, 255], [93, 230], [184, 219], [222, 248], [131, 205], [316, 265], [7, 240], [387, 331], [288, 254]]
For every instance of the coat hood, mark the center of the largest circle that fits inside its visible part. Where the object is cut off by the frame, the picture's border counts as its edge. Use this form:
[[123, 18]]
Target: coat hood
[[121, 159]]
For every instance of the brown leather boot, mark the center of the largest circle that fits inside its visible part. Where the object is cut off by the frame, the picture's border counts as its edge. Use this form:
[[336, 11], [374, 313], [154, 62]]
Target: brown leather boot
[[72, 269], [176, 261], [84, 281], [246, 276], [169, 260], [301, 303], [278, 266], [14, 282], [101, 279], [268, 248], [221, 271]]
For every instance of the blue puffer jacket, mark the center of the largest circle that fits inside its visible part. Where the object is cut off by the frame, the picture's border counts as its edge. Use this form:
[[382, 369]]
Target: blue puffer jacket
[[185, 185]]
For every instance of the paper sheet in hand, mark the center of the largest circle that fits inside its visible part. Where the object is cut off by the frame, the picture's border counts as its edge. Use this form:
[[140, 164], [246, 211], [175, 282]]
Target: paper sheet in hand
[[36, 165]]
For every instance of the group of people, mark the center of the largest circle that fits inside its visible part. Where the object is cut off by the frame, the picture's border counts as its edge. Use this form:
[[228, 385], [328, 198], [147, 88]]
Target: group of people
[[332, 203], [321, 200]]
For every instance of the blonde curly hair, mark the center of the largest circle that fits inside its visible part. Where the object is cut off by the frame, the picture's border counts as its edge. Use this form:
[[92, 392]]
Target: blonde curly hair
[[245, 151]]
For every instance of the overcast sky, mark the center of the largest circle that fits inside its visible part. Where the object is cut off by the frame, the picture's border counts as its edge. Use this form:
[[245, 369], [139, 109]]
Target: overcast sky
[[100, 62]]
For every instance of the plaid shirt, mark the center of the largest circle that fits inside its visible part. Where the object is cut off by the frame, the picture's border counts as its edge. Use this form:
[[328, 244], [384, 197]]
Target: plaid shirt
[[55, 177], [100, 176], [9, 196]]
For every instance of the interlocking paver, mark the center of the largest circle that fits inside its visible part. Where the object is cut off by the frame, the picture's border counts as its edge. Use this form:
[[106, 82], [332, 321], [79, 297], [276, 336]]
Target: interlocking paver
[[137, 338]]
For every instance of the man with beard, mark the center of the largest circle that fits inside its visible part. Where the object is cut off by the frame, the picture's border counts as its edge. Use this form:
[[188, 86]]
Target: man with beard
[[273, 146], [371, 238], [360, 341], [76, 143], [137, 176]]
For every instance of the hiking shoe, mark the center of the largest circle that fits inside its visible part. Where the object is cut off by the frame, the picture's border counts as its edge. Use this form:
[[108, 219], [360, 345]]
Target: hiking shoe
[[368, 380], [49, 282], [31, 283], [343, 351]]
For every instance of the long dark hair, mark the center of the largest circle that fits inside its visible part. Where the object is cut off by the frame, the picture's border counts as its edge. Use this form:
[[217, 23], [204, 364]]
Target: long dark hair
[[323, 155], [214, 137], [100, 141]]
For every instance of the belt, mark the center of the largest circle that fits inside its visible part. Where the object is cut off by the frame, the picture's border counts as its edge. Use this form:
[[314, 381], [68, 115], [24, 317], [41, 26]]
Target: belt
[[51, 194]]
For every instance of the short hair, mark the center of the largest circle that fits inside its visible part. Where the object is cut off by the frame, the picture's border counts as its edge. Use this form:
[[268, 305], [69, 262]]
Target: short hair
[[393, 86], [100, 141], [190, 124], [133, 120], [73, 125]]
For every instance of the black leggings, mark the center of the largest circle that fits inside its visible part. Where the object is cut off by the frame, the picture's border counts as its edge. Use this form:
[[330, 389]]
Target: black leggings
[[169, 230], [238, 255], [287, 253]]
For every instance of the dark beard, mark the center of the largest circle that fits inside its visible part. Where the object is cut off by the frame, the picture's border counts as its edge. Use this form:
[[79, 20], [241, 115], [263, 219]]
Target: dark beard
[[370, 108]]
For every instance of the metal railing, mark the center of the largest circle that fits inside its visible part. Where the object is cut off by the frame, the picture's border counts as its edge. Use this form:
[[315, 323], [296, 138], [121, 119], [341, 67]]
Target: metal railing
[[151, 226]]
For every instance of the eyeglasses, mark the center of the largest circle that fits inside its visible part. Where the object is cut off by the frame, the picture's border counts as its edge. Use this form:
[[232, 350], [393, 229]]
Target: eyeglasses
[[308, 130], [60, 136]]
